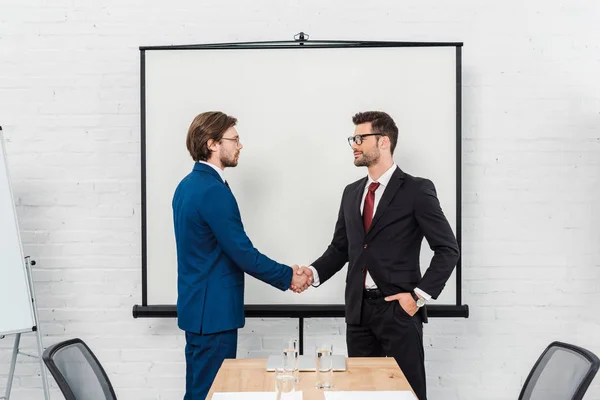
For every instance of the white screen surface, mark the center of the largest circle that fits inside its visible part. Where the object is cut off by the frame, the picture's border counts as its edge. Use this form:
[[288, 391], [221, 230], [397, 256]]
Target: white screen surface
[[16, 310], [294, 109]]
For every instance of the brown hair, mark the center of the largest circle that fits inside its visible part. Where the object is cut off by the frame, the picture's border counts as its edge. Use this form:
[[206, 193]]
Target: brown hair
[[381, 123], [206, 126]]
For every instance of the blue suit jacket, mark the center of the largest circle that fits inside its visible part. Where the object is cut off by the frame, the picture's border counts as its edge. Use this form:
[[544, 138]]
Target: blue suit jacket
[[213, 252]]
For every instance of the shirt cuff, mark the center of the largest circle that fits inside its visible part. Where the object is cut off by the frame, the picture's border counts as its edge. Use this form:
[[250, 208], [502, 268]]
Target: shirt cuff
[[316, 281], [423, 294]]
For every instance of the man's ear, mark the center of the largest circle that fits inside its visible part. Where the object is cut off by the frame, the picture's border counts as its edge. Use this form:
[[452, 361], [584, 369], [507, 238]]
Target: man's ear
[[385, 142], [212, 145]]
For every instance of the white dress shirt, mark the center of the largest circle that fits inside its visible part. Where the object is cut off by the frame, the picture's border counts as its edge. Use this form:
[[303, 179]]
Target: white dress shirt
[[383, 180]]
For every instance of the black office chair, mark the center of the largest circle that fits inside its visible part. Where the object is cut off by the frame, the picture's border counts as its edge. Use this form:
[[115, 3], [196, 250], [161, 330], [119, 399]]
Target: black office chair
[[563, 372], [77, 371]]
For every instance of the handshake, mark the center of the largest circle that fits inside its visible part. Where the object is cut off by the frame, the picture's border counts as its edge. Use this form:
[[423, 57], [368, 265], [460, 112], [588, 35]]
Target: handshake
[[302, 278]]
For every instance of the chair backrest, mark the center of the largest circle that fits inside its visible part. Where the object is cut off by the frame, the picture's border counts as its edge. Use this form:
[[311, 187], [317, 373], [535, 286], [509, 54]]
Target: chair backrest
[[563, 372], [77, 371]]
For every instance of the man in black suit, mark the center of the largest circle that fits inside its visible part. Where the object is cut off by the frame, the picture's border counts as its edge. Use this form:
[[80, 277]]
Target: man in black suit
[[381, 224]]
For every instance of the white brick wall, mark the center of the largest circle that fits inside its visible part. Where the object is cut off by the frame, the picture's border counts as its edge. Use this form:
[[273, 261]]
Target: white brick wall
[[69, 105]]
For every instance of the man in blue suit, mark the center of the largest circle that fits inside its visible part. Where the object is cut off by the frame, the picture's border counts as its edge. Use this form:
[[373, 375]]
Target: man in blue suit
[[213, 252]]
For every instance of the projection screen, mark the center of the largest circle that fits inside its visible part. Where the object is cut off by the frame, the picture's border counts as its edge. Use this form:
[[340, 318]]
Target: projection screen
[[294, 107]]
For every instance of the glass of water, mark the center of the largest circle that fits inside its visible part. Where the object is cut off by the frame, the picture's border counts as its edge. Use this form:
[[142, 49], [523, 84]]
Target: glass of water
[[285, 383], [290, 358], [324, 366]]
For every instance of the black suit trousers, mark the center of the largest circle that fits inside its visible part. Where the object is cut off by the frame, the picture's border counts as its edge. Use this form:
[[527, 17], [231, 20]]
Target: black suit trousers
[[386, 329]]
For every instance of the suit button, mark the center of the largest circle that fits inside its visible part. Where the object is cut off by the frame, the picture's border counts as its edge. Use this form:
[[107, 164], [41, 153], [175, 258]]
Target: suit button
[[365, 246]]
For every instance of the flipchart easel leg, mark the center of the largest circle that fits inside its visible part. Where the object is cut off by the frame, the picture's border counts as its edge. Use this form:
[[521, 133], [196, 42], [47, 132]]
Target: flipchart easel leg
[[40, 347], [13, 364], [38, 333]]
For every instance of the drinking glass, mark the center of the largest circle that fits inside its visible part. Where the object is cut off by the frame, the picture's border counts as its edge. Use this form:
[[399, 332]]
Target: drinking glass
[[324, 366], [290, 358], [285, 383]]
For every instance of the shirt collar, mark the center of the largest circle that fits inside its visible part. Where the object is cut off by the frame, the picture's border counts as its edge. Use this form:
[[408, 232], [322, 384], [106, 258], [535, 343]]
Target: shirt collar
[[219, 170], [384, 179]]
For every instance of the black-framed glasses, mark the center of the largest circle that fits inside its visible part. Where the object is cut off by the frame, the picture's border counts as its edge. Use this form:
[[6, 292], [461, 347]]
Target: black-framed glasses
[[235, 139], [358, 139]]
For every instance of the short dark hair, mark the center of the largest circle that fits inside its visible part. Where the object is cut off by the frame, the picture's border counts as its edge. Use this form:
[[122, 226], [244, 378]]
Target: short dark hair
[[206, 126], [381, 122]]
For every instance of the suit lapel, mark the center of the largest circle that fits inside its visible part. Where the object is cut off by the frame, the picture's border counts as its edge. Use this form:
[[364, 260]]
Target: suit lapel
[[390, 191], [356, 199]]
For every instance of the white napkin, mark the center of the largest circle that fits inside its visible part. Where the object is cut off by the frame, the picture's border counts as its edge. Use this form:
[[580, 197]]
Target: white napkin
[[256, 396], [361, 395]]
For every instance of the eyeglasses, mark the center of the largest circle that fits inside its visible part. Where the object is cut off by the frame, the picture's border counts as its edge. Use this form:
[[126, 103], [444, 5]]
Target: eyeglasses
[[358, 139], [235, 139]]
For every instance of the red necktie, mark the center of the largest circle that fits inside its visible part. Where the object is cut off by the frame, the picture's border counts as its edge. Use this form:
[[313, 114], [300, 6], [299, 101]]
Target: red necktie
[[369, 205]]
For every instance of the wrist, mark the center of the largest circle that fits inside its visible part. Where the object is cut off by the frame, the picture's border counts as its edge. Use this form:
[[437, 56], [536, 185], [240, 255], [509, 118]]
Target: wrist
[[418, 299]]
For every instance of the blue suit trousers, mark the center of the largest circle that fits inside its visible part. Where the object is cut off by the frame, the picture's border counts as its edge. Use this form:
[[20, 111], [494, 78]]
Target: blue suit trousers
[[204, 355]]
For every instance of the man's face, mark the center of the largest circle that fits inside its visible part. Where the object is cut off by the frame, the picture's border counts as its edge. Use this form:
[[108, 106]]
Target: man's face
[[229, 151], [367, 153]]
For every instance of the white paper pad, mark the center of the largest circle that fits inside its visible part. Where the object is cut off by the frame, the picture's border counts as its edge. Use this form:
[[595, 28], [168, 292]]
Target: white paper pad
[[256, 396], [373, 395]]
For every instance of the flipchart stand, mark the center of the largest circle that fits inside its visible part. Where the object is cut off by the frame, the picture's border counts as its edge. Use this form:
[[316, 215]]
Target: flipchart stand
[[17, 351]]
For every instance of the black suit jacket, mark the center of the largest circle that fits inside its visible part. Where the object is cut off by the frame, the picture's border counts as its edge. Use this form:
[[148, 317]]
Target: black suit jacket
[[408, 211]]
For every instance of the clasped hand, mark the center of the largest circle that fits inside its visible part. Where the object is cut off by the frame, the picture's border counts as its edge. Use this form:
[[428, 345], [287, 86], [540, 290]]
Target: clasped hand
[[302, 278]]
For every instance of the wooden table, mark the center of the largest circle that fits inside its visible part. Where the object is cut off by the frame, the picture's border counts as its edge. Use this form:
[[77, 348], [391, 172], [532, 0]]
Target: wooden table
[[250, 375]]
